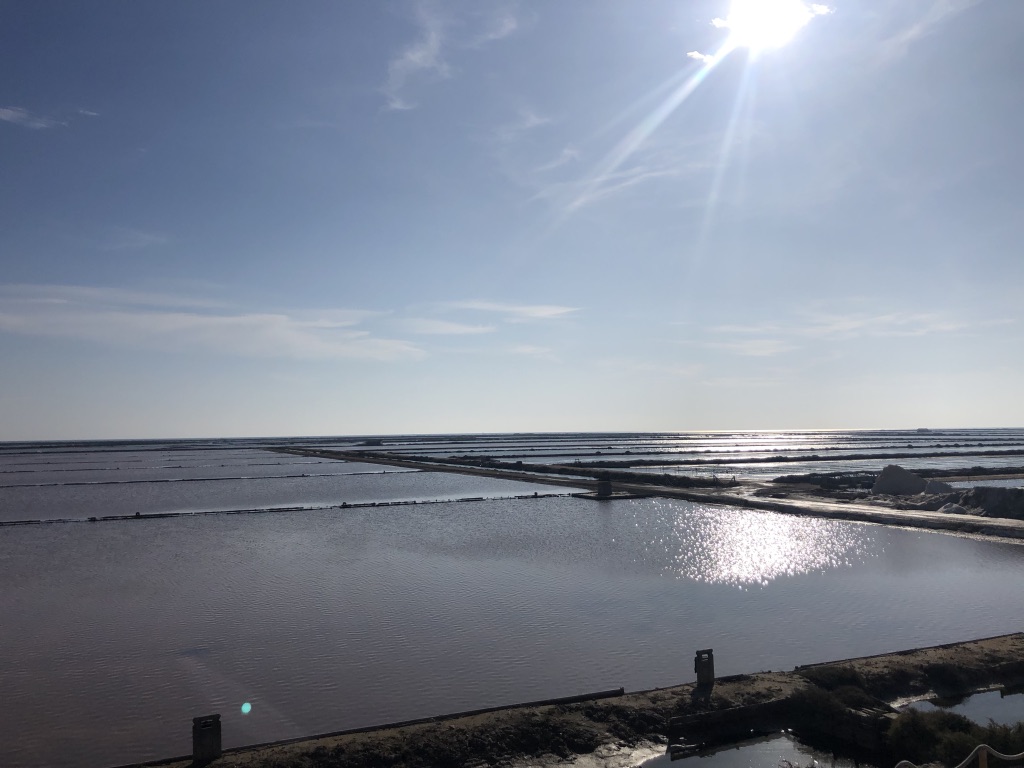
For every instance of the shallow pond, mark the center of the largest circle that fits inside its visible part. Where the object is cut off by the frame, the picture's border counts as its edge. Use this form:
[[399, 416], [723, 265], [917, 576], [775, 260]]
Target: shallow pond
[[358, 484], [781, 751], [982, 708], [117, 634]]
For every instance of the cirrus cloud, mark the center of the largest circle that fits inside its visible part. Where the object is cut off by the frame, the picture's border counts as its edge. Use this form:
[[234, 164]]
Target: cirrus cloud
[[166, 323]]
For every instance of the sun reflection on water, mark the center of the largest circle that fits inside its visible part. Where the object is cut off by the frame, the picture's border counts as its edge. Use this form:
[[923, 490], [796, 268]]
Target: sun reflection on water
[[747, 548]]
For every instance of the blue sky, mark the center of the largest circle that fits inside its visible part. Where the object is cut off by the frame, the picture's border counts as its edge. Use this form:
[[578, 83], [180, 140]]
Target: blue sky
[[259, 218]]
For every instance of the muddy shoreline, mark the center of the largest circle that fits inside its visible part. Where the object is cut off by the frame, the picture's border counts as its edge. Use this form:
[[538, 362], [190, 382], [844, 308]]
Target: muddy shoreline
[[842, 705]]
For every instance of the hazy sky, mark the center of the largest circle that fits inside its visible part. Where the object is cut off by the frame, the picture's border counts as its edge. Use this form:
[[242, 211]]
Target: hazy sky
[[335, 217]]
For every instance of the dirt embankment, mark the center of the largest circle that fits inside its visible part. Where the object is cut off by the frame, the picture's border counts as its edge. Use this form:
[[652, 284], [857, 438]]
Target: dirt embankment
[[835, 701]]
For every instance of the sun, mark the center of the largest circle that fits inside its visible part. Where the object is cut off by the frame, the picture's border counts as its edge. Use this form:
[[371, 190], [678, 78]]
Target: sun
[[761, 24]]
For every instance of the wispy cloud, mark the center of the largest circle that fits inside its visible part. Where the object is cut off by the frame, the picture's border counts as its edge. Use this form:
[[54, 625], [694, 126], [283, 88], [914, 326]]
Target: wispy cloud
[[768, 340], [628, 366], [903, 323], [764, 347], [161, 323], [747, 381], [429, 326], [24, 118], [515, 312], [532, 350], [580, 195], [426, 57], [939, 12], [568, 155], [499, 26], [421, 57], [763, 340], [653, 162], [525, 121], [100, 296], [128, 239], [707, 58]]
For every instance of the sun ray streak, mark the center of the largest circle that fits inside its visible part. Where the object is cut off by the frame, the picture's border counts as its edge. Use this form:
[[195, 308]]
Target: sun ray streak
[[724, 154], [641, 105], [636, 137], [753, 24]]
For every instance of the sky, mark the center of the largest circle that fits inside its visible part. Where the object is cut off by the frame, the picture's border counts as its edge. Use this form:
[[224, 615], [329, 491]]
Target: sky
[[252, 218]]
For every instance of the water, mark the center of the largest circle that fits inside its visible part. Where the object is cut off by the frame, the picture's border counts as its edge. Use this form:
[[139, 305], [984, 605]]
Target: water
[[982, 708], [959, 448], [780, 751], [772, 469], [1016, 482], [49, 502], [116, 635]]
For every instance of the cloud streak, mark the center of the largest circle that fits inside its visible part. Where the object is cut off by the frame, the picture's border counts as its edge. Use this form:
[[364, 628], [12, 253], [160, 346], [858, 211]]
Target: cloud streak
[[853, 325], [674, 162], [515, 312], [24, 118], [427, 326], [421, 57], [773, 338], [752, 347], [163, 323], [939, 12], [503, 24], [127, 239], [532, 350], [426, 57]]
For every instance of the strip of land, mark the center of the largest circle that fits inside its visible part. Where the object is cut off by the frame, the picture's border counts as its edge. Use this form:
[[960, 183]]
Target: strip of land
[[845, 704], [794, 499]]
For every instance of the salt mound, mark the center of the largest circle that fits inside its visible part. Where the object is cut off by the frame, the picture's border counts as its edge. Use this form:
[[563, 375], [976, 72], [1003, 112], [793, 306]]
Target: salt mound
[[894, 480], [953, 509], [937, 486]]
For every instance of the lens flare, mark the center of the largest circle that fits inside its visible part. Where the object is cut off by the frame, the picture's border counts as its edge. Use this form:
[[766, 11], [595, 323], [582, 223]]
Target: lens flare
[[246, 708]]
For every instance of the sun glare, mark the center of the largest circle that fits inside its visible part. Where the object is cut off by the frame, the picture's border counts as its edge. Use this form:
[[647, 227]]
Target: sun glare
[[760, 24]]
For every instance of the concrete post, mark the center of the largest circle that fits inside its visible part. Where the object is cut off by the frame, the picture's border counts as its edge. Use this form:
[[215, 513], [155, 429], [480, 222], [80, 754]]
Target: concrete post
[[205, 739], [704, 666], [604, 486]]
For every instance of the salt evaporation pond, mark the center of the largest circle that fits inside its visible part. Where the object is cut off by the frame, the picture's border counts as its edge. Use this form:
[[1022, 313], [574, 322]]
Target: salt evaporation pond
[[136, 474], [99, 499], [117, 634], [1015, 482]]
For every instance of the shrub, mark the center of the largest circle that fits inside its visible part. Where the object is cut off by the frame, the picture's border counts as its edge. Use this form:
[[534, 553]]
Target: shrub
[[854, 697], [830, 678], [923, 737]]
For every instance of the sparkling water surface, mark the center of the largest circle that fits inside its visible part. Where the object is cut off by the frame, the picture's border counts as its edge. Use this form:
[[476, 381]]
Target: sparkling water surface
[[116, 634], [340, 618], [106, 499]]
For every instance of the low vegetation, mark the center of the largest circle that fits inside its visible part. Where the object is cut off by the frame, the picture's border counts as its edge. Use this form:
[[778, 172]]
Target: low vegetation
[[948, 738]]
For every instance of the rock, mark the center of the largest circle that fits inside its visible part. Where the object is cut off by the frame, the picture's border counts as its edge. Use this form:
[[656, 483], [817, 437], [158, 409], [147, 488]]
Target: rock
[[953, 509], [894, 480], [937, 486]]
